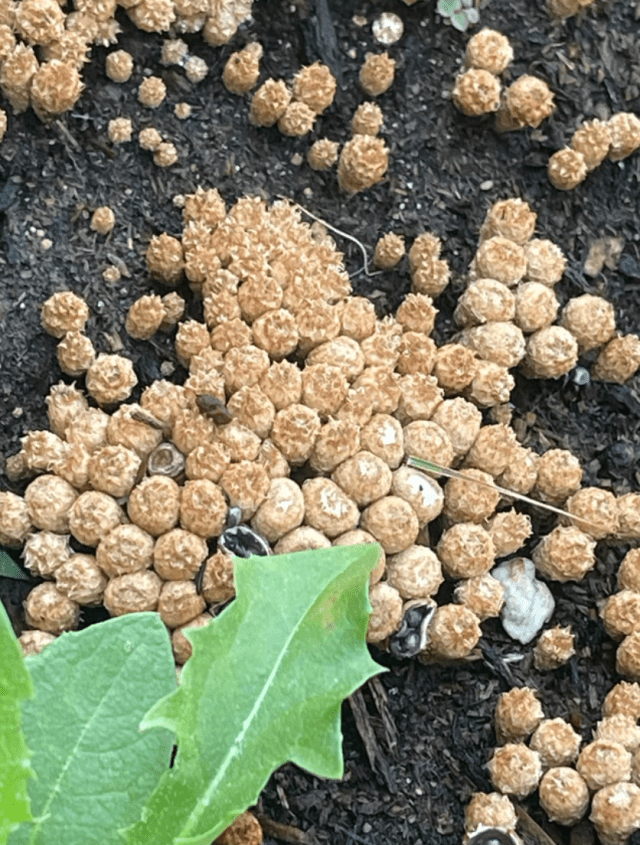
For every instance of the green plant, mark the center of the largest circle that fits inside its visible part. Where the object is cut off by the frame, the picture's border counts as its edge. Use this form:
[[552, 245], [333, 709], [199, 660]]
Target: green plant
[[461, 13], [264, 686]]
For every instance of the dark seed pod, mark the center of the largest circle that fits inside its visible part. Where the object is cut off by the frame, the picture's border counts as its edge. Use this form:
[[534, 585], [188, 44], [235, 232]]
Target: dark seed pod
[[214, 408], [240, 540], [166, 460], [412, 636]]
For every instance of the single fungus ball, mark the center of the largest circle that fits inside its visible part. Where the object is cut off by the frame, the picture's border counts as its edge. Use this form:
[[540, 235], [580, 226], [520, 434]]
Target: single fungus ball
[[518, 713], [389, 251], [324, 388], [551, 352], [363, 162], [64, 312], [364, 477], [615, 812], [466, 501], [415, 573], [367, 119], [282, 510], [416, 313], [593, 140], [125, 549], [515, 769], [461, 420], [629, 571], [339, 440], [455, 367], [527, 102], [509, 531], [596, 511], [476, 92], [510, 218], [75, 354], [47, 609], [15, 522], [165, 259], [294, 432], [179, 602], [323, 154], [81, 580], [315, 86], [119, 66], [489, 50], [466, 550], [492, 450], [629, 517], [546, 262], [501, 259], [297, 120], [245, 830], [386, 612], [602, 763], [393, 523], [453, 632], [376, 73], [502, 343], [64, 403], [242, 70], [536, 306], [269, 103], [485, 300], [623, 698], [624, 128], [564, 795], [154, 504], [427, 440], [555, 647], [618, 360], [302, 539], [556, 742], [628, 657], [110, 379], [34, 642], [114, 470], [619, 728], [178, 555], [135, 592], [327, 508], [590, 319], [482, 595], [566, 554], [145, 317], [55, 88], [491, 385], [490, 810], [567, 169], [93, 515], [559, 475], [383, 435], [43, 551], [49, 500], [203, 508], [246, 485], [423, 493], [621, 614]]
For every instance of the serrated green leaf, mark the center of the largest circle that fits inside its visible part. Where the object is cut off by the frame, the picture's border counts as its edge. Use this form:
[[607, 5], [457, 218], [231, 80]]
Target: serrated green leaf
[[10, 569], [264, 686], [447, 8], [94, 767], [15, 686]]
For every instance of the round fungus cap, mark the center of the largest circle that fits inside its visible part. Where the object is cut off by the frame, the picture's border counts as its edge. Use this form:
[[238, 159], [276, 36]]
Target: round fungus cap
[[564, 795], [485, 300], [376, 73], [551, 352], [628, 656], [602, 763], [597, 510], [518, 713], [93, 515], [48, 609], [621, 614], [515, 769], [179, 602], [629, 571], [363, 161], [466, 550], [328, 508], [393, 522], [556, 742], [364, 477], [501, 259], [536, 306], [567, 169], [415, 573], [593, 139], [476, 92], [64, 312], [615, 812], [453, 632], [509, 531], [502, 343], [466, 501], [559, 474], [154, 504], [618, 360], [482, 594], [624, 128], [490, 809], [619, 728], [565, 554], [43, 551], [424, 494], [81, 580], [590, 319], [623, 698], [125, 549], [527, 102], [554, 648], [546, 262], [110, 379], [461, 420], [281, 511], [386, 612], [489, 50], [15, 522]]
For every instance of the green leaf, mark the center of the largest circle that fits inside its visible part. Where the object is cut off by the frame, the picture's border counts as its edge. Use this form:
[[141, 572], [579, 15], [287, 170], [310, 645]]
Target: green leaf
[[10, 569], [447, 8], [264, 685], [94, 767], [15, 686], [459, 20]]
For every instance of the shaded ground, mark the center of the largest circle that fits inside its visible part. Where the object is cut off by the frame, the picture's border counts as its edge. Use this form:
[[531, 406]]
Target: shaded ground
[[445, 171]]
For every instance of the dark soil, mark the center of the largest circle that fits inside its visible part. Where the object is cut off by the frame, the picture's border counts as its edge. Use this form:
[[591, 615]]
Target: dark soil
[[432, 725]]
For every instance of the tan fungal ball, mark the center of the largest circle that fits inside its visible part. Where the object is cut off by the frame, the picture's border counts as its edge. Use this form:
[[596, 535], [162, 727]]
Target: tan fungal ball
[[415, 572], [64, 403], [383, 436], [615, 812], [178, 555], [559, 475], [324, 388], [466, 550], [461, 420], [363, 161], [518, 713], [151, 16], [420, 395], [136, 592], [386, 612], [281, 511], [564, 795], [424, 494], [269, 103], [629, 517], [367, 119], [597, 511], [47, 609], [465, 501], [244, 367], [192, 339], [343, 353], [619, 728], [378, 387], [555, 647], [179, 603], [294, 432], [567, 169], [629, 571], [165, 259], [165, 154], [425, 439], [34, 642], [49, 500], [119, 66], [628, 657], [113, 470], [151, 92], [515, 769], [93, 515], [323, 154], [546, 262], [376, 73], [245, 830], [453, 632], [556, 742], [39, 21], [358, 537], [15, 522], [196, 69], [592, 139], [236, 332], [621, 614], [566, 554], [246, 485], [154, 504], [16, 75], [393, 523], [75, 354], [489, 50], [297, 119], [455, 367], [43, 551], [509, 530], [250, 407], [389, 251], [476, 92], [242, 70], [276, 332], [502, 343], [81, 580], [203, 508], [551, 352], [110, 379], [125, 549], [489, 810], [42, 449], [138, 436], [103, 220], [181, 646], [364, 477], [149, 138], [315, 86], [623, 698], [527, 102], [492, 450], [242, 443], [89, 430], [485, 300], [282, 384], [145, 317], [218, 581], [624, 128], [567, 8], [358, 318], [482, 594], [416, 313], [602, 763], [301, 539], [501, 259], [328, 508], [64, 312], [536, 306], [618, 360], [55, 88]]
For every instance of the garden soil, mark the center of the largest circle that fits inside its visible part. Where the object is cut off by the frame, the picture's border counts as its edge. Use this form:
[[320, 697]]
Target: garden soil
[[418, 738]]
